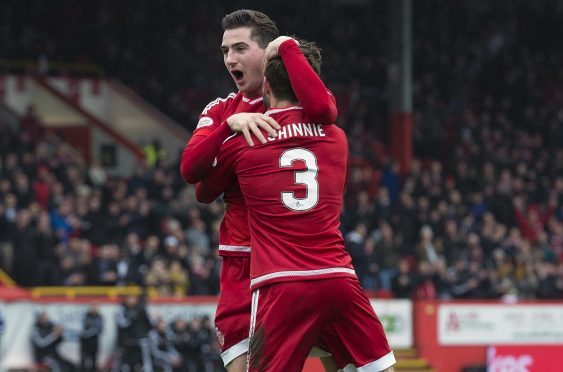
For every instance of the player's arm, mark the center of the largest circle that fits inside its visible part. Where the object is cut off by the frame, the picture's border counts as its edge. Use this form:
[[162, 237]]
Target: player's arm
[[200, 151], [219, 177], [204, 145], [317, 101]]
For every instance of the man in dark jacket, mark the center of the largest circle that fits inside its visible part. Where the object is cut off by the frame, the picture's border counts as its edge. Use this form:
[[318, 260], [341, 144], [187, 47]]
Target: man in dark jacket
[[181, 339], [45, 338], [92, 328], [164, 356], [133, 326]]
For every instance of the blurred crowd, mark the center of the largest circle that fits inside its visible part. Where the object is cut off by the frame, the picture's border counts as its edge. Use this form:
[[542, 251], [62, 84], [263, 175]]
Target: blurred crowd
[[479, 214], [181, 345], [65, 223]]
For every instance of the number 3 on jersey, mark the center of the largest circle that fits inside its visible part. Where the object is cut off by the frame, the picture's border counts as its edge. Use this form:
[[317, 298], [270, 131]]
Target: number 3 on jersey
[[307, 177]]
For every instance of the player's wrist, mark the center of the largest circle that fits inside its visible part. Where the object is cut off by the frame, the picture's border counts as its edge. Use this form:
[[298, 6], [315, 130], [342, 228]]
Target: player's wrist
[[288, 45]]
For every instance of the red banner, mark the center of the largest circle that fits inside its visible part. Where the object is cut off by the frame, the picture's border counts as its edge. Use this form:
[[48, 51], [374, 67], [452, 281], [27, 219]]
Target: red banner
[[524, 358]]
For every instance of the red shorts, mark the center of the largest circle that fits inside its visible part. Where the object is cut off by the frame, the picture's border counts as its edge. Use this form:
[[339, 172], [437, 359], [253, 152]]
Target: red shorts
[[232, 318], [289, 318]]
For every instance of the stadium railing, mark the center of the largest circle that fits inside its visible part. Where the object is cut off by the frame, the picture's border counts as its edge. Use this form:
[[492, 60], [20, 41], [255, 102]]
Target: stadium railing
[[77, 292]]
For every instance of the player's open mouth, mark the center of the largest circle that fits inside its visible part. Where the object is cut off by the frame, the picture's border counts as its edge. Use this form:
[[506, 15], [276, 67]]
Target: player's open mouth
[[238, 75]]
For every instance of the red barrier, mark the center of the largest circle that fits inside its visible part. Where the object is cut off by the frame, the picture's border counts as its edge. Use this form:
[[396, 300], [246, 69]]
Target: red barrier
[[455, 334], [13, 293], [441, 358]]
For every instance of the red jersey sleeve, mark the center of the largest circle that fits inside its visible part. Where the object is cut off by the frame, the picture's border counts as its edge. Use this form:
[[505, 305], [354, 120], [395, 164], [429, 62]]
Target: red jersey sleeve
[[203, 146], [221, 175], [317, 101]]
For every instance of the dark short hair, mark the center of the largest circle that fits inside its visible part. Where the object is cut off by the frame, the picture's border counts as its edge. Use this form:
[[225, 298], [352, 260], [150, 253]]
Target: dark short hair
[[263, 28], [276, 73]]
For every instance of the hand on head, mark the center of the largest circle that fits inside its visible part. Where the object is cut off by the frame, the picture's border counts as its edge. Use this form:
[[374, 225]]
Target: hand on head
[[271, 50]]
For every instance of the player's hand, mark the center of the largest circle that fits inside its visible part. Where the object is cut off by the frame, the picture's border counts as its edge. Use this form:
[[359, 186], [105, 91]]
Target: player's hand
[[250, 123], [272, 48]]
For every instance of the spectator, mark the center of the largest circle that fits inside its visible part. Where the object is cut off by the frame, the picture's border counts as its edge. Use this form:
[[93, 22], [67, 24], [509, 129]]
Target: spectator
[[47, 258], [199, 337], [388, 251], [92, 327], [211, 353], [133, 326], [164, 356], [403, 283], [368, 269], [426, 249], [25, 250], [178, 279], [45, 339], [550, 281], [355, 241], [106, 265], [154, 154], [181, 339], [158, 278]]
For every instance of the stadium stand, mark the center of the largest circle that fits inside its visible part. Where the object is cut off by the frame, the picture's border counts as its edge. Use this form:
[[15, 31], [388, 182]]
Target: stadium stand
[[479, 215]]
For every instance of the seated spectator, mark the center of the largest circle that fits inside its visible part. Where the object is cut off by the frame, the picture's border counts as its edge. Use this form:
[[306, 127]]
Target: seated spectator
[[178, 279], [158, 278], [105, 265], [404, 282], [425, 288]]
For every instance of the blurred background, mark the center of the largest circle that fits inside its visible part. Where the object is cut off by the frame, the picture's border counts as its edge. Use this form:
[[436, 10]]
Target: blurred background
[[454, 208]]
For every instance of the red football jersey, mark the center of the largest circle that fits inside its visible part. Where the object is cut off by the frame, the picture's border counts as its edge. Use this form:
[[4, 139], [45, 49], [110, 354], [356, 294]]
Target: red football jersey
[[234, 236], [211, 130], [293, 187]]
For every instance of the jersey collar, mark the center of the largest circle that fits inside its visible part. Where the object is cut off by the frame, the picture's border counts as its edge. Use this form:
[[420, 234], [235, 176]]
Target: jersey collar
[[251, 101], [278, 110]]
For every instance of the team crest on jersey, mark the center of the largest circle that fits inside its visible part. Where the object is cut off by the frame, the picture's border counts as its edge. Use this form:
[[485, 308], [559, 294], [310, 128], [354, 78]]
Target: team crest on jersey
[[220, 336], [204, 122]]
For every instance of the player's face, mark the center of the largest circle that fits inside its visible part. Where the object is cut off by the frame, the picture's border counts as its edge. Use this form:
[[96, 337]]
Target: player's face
[[243, 59]]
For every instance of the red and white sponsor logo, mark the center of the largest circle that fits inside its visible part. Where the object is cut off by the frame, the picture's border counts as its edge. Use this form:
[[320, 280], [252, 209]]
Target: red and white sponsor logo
[[453, 322], [507, 362], [523, 358]]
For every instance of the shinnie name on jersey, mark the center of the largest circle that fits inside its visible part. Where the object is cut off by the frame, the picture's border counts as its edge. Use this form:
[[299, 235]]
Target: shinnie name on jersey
[[299, 130]]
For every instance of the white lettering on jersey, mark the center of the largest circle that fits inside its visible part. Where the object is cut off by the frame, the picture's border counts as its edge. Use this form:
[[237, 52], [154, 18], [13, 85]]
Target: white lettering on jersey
[[299, 130]]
